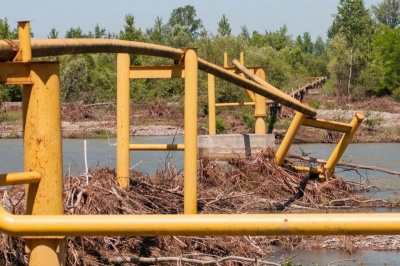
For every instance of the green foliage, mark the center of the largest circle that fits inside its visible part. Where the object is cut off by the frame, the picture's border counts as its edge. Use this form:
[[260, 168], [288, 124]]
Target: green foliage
[[220, 125], [5, 30], [224, 28], [396, 94], [249, 120], [387, 13], [372, 121], [314, 104], [386, 56]]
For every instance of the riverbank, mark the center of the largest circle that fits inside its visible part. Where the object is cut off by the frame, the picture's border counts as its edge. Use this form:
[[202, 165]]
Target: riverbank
[[381, 124]]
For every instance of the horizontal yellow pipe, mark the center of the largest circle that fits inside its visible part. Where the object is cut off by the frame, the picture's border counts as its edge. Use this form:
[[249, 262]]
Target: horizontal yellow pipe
[[327, 124], [234, 104], [200, 224], [19, 178], [308, 169], [157, 147], [267, 91], [54, 47]]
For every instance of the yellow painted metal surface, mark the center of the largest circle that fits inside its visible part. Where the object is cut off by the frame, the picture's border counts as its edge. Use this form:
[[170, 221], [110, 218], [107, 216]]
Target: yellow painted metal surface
[[42, 154], [19, 178], [289, 137], [123, 123], [212, 130], [201, 224], [260, 110], [157, 147], [153, 72], [24, 35], [326, 124], [235, 104], [343, 143], [190, 138], [15, 73]]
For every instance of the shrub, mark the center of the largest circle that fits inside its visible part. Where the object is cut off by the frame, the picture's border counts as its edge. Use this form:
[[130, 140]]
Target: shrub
[[220, 125]]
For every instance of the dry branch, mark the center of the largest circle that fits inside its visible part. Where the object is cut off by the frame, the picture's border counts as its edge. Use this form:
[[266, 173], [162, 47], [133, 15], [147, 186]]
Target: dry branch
[[355, 166]]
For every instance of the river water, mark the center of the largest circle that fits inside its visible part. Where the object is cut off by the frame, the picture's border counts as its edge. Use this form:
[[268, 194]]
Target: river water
[[101, 152]]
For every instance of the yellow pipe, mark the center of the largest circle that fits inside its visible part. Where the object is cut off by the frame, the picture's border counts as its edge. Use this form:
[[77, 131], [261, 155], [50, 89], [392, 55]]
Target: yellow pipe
[[226, 60], [326, 124], [157, 147], [24, 35], [260, 110], [200, 224], [123, 123], [235, 104], [190, 137], [212, 130], [19, 178], [268, 92], [289, 137], [249, 93], [42, 154], [317, 170], [343, 143]]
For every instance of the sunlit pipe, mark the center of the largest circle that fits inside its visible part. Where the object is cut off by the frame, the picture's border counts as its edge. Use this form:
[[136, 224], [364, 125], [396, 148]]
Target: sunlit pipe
[[268, 92], [19, 178], [200, 224], [157, 147], [54, 47]]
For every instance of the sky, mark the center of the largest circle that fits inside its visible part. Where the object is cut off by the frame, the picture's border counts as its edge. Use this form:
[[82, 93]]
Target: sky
[[313, 16]]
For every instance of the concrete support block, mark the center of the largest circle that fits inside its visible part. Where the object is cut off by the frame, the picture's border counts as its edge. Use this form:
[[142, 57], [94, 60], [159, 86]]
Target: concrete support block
[[233, 145]]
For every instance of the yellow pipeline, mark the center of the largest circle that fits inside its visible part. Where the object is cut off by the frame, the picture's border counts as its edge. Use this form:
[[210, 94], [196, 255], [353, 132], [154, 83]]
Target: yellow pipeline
[[260, 110], [19, 178], [53, 47], [157, 147], [268, 92], [235, 104], [289, 137], [343, 143], [123, 111], [200, 224], [212, 130], [190, 137]]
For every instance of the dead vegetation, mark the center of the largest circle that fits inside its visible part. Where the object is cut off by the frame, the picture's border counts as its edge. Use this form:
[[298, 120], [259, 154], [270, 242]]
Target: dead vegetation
[[237, 186]]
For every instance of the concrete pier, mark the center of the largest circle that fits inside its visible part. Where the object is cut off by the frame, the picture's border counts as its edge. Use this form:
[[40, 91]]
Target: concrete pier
[[233, 145]]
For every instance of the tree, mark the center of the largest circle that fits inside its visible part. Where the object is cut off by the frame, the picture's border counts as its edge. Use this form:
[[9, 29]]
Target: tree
[[158, 32], [5, 30], [184, 26], [353, 21], [386, 47], [319, 47], [75, 33], [387, 13], [130, 32], [224, 28], [245, 34], [53, 34], [278, 39]]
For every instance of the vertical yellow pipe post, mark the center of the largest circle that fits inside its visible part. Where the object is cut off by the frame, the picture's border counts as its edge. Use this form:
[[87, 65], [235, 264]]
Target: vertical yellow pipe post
[[190, 138], [260, 110], [24, 35], [123, 136], [226, 60], [211, 106], [42, 152], [289, 137], [343, 143]]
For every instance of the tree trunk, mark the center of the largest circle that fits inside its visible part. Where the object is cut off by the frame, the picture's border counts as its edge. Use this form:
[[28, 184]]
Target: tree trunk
[[350, 71]]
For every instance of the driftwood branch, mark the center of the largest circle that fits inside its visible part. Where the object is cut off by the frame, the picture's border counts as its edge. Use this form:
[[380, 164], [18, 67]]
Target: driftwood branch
[[355, 166], [122, 260]]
